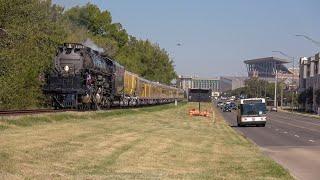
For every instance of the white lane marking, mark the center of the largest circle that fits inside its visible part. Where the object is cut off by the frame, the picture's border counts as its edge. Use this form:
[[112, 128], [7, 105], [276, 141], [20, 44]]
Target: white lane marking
[[277, 129], [311, 140], [296, 126], [285, 132], [297, 136], [289, 118]]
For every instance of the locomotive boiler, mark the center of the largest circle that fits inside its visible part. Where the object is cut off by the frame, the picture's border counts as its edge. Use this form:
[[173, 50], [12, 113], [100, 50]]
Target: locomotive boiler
[[82, 78]]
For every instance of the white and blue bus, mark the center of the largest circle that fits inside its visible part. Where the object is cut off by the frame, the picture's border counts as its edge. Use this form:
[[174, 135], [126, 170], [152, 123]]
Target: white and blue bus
[[252, 111]]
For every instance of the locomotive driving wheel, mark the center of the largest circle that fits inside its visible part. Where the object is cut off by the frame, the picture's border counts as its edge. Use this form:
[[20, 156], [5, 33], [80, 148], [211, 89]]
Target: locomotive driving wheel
[[106, 102], [95, 105]]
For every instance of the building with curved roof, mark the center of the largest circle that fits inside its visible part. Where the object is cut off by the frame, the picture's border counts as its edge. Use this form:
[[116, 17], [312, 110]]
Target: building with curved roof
[[266, 67]]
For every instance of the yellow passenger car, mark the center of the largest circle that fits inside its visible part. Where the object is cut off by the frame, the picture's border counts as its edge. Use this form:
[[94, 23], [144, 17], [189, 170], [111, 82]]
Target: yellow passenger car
[[130, 84], [144, 91]]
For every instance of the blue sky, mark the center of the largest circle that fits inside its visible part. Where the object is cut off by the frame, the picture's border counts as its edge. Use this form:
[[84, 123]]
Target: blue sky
[[218, 35]]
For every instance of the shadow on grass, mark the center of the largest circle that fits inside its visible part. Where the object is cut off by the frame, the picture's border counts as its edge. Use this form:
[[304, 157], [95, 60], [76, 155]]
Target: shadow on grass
[[27, 121]]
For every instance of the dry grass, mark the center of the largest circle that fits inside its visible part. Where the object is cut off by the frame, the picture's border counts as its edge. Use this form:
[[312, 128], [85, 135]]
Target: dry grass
[[150, 143]]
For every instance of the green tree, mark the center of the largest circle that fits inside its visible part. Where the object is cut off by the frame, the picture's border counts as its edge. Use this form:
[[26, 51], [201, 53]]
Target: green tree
[[27, 50], [141, 57], [35, 29], [98, 23]]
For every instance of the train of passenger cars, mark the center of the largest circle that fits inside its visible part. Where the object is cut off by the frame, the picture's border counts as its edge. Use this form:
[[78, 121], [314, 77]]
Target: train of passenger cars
[[82, 78]]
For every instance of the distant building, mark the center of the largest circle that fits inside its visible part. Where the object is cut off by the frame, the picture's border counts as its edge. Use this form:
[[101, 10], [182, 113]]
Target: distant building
[[184, 82], [225, 84], [265, 68], [206, 83], [310, 78], [291, 79], [192, 82], [228, 83]]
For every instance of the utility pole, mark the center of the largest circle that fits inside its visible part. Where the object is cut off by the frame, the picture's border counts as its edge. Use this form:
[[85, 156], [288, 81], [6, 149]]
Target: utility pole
[[265, 80], [275, 90], [281, 95], [292, 83]]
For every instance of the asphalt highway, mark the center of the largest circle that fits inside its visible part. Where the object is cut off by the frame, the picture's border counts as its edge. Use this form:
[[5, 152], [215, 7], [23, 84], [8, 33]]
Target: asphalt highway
[[290, 139]]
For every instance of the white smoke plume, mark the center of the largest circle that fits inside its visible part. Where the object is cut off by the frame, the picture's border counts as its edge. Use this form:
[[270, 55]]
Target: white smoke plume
[[89, 43]]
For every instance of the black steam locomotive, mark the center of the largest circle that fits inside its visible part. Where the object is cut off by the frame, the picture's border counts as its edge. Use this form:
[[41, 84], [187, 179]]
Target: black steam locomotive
[[84, 79]]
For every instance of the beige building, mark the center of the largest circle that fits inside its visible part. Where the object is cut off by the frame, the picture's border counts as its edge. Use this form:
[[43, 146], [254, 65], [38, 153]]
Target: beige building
[[184, 82]]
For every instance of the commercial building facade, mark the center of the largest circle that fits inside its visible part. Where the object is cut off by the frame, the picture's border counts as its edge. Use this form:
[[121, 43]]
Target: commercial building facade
[[206, 83], [310, 79], [184, 82]]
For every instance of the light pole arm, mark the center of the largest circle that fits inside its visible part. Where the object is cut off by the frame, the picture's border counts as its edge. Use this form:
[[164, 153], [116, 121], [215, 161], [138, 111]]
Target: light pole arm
[[309, 38]]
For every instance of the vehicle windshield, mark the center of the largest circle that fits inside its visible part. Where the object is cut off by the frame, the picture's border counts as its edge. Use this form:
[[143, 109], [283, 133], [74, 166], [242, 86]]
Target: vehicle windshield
[[254, 109]]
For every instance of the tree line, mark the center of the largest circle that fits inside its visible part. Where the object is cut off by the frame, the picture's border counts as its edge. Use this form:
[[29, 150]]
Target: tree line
[[34, 29]]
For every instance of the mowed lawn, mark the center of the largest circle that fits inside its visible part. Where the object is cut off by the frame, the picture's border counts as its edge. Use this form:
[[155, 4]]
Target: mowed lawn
[[160, 142]]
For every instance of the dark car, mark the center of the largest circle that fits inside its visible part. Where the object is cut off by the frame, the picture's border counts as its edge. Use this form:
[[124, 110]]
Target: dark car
[[222, 106], [226, 108], [219, 104], [233, 106]]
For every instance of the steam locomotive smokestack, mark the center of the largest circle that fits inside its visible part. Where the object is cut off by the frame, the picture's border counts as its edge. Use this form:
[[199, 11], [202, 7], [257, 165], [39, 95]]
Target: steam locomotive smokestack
[[89, 43]]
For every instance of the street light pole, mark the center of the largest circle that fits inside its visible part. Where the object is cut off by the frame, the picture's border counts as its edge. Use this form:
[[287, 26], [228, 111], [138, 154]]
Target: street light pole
[[275, 90], [292, 82], [293, 73]]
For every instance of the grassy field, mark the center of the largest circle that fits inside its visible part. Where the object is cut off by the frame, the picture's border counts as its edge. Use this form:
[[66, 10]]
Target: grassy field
[[160, 142]]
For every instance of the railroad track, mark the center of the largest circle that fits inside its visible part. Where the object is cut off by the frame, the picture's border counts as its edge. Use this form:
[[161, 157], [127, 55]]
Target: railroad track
[[41, 111], [28, 111]]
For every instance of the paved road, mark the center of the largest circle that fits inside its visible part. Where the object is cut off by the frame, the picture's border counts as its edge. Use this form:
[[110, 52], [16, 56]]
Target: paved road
[[290, 139]]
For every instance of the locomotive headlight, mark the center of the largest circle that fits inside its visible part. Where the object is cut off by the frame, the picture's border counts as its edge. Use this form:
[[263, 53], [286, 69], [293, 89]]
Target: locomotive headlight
[[66, 68]]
